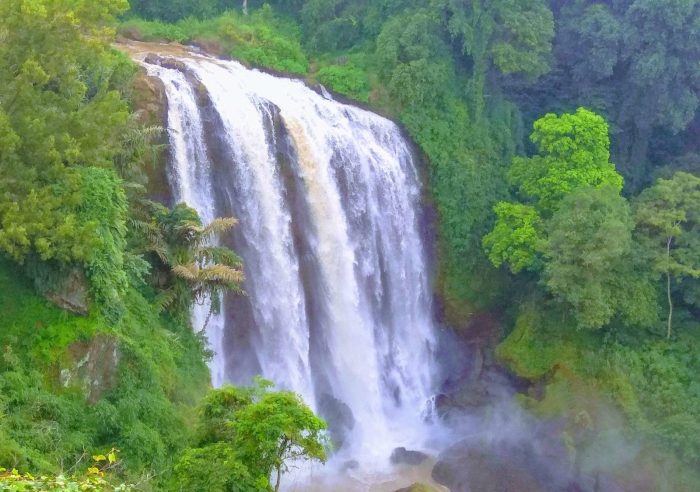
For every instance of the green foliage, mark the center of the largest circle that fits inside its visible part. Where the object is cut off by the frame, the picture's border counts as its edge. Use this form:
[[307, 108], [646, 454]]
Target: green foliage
[[415, 59], [60, 121], [515, 36], [628, 60], [278, 429], [667, 217], [346, 79], [573, 153], [516, 237], [188, 266], [104, 204], [583, 373], [52, 412], [578, 229], [261, 39], [174, 10], [589, 259], [215, 468], [658, 380], [246, 434], [95, 479]]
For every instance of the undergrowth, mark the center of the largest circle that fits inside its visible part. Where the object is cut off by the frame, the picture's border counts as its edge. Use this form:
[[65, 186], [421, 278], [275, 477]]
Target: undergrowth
[[56, 409]]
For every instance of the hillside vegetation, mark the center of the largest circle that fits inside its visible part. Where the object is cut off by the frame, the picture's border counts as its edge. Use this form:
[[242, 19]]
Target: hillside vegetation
[[561, 143], [583, 237]]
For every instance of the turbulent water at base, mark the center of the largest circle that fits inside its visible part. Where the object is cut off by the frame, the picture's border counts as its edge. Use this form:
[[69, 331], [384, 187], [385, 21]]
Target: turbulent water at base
[[338, 304]]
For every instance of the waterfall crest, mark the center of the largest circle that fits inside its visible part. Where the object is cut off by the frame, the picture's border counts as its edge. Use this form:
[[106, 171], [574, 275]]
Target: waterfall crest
[[338, 304]]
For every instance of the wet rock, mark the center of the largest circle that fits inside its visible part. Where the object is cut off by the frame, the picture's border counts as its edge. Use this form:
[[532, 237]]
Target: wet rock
[[403, 456], [340, 419], [165, 62], [418, 487], [72, 295], [151, 109], [466, 468]]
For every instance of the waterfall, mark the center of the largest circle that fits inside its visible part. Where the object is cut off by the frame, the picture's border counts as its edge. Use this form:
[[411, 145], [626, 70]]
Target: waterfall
[[338, 295]]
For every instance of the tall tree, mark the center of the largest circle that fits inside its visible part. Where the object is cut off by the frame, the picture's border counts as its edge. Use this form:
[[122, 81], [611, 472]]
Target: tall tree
[[511, 36], [668, 226], [573, 153], [589, 260]]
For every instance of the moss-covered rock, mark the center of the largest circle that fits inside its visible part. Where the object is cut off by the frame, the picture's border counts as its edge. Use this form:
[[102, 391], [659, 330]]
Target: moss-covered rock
[[419, 487]]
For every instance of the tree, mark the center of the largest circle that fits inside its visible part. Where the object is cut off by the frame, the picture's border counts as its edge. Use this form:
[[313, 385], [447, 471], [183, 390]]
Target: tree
[[589, 259], [215, 468], [668, 221], [514, 36], [573, 154], [251, 433], [191, 266], [661, 87], [627, 59], [511, 36], [62, 208], [277, 429]]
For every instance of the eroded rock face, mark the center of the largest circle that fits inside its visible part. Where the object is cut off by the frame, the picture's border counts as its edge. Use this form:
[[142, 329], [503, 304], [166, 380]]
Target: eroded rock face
[[150, 101], [93, 366], [72, 294], [151, 109]]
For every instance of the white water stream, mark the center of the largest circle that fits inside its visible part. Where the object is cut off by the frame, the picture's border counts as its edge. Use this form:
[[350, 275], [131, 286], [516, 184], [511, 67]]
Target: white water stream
[[338, 304]]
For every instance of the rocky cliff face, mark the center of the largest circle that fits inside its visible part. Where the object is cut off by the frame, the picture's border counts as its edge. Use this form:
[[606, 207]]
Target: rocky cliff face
[[151, 108]]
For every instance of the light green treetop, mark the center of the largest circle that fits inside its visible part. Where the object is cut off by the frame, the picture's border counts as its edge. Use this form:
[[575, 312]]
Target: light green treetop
[[574, 152], [515, 237]]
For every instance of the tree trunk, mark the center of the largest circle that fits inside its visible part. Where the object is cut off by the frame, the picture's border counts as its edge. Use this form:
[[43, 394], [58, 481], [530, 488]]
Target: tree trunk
[[206, 321], [668, 287], [245, 7], [279, 475]]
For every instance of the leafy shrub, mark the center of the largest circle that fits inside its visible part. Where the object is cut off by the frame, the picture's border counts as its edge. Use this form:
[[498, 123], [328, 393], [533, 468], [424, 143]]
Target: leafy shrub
[[261, 38], [346, 79]]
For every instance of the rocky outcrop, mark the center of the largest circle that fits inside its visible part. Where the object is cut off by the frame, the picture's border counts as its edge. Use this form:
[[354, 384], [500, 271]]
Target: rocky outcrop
[[151, 109], [72, 294], [149, 98], [473, 380], [403, 456], [92, 366], [340, 419], [166, 62]]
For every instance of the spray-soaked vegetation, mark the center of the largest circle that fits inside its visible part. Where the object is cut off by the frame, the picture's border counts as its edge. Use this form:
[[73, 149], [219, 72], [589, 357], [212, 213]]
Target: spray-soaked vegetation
[[583, 239]]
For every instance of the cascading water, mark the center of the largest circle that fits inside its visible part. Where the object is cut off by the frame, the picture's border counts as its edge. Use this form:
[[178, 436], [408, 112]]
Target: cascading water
[[338, 304]]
